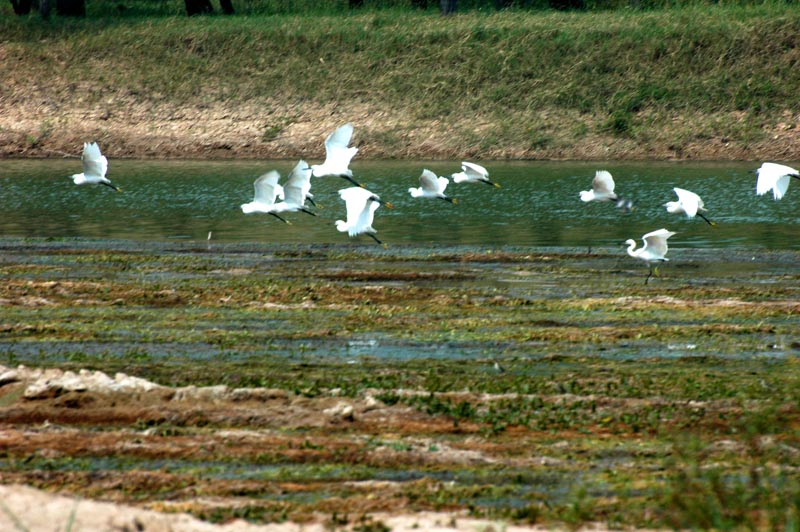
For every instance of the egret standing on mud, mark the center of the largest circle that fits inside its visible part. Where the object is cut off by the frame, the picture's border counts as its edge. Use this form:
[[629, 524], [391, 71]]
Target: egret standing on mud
[[95, 166], [473, 173], [689, 204], [295, 191], [653, 251], [775, 177], [431, 186], [338, 155], [361, 205]]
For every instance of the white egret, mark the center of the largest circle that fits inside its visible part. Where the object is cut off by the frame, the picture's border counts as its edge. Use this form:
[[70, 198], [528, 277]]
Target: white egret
[[95, 166], [602, 188], [361, 205], [473, 173], [266, 194], [775, 177], [338, 155], [689, 204], [653, 251], [431, 186]]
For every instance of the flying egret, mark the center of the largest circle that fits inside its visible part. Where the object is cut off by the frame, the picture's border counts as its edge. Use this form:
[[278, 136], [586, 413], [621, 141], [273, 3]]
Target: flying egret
[[689, 204], [653, 251], [603, 190], [431, 186], [361, 206], [776, 177], [95, 166], [338, 155], [294, 193], [473, 173]]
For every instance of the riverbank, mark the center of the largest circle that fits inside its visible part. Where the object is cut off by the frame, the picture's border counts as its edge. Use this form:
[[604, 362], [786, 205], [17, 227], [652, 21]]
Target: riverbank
[[694, 83]]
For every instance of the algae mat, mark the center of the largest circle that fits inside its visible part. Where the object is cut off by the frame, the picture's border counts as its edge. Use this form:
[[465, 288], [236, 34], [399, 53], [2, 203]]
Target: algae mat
[[332, 384]]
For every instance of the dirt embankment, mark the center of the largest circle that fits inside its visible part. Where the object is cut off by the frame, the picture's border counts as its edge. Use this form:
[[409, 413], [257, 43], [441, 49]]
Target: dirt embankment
[[37, 125]]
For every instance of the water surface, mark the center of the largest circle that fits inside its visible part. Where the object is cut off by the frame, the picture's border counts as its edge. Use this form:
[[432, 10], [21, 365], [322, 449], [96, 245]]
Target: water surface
[[538, 204]]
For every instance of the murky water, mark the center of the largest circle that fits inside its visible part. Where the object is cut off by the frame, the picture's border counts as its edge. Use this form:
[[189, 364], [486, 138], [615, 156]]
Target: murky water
[[538, 204]]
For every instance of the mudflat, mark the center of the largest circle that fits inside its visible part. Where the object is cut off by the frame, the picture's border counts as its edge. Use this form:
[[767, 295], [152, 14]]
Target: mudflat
[[333, 387]]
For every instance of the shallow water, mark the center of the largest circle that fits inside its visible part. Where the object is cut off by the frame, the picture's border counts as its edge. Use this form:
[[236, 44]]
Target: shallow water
[[538, 204]]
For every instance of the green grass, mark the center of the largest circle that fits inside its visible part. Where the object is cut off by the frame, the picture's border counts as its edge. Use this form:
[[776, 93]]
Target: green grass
[[674, 76]]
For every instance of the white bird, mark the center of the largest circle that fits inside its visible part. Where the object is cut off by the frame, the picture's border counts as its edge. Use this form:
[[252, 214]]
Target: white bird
[[266, 193], [431, 186], [361, 206], [689, 204], [473, 173], [653, 251], [95, 166], [775, 177], [299, 185], [602, 188], [338, 155]]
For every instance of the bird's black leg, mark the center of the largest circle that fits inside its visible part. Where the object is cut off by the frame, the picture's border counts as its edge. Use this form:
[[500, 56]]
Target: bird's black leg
[[448, 199], [375, 238], [709, 222], [311, 201], [649, 274], [312, 213], [356, 183], [110, 185], [490, 183], [287, 222]]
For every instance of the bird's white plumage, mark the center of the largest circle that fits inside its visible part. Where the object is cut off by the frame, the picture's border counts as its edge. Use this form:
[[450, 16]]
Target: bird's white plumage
[[294, 191], [361, 205], [265, 193], [602, 188], [337, 154], [688, 203], [430, 186], [298, 186], [95, 167], [471, 173], [655, 246], [775, 177]]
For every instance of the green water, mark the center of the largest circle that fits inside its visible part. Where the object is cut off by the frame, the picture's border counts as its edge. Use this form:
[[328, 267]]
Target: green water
[[538, 204]]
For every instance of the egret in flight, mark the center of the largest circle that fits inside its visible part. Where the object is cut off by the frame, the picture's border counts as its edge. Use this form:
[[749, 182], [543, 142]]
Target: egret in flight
[[473, 173], [431, 186], [603, 190], [361, 205], [295, 192], [653, 251], [775, 177], [95, 166], [338, 155], [689, 204]]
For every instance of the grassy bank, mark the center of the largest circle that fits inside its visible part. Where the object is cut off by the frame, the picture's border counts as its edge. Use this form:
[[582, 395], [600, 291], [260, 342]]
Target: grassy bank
[[703, 82]]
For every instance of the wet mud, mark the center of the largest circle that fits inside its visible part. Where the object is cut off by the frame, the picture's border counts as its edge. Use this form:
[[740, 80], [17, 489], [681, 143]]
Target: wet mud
[[327, 384]]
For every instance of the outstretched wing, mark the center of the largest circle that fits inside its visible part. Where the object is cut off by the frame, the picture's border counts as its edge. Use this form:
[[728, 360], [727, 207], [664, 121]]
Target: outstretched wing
[[474, 171], [690, 201], [603, 183], [429, 182], [775, 177], [265, 187], [94, 162], [656, 241], [298, 184], [337, 152]]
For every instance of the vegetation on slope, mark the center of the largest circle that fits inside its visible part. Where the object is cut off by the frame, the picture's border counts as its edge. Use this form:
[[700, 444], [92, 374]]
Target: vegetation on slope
[[510, 83]]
